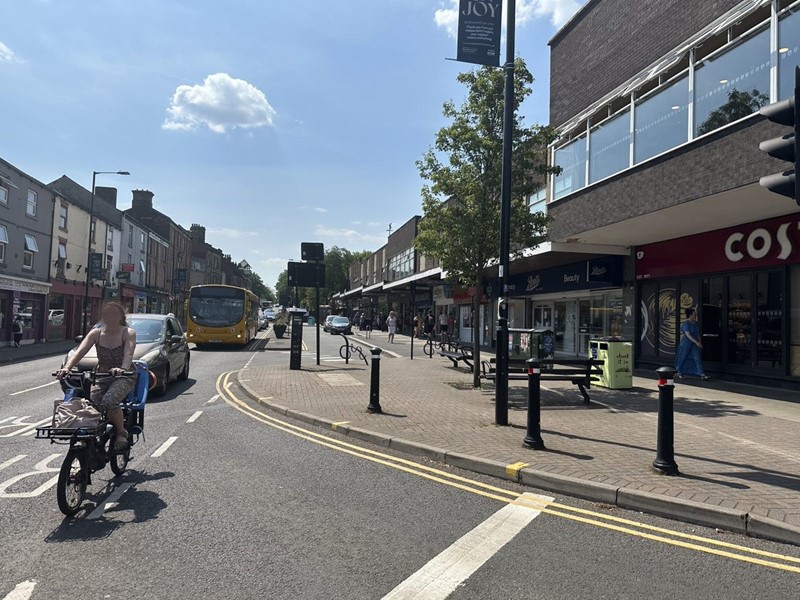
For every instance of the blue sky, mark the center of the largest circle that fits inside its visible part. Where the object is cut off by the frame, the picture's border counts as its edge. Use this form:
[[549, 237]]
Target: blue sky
[[269, 122]]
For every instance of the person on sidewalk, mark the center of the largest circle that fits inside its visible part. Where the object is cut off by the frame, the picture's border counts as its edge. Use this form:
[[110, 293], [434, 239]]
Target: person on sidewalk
[[391, 325], [17, 329], [689, 360]]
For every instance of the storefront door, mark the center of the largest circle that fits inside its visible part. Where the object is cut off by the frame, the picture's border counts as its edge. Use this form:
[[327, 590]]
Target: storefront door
[[564, 319], [543, 316]]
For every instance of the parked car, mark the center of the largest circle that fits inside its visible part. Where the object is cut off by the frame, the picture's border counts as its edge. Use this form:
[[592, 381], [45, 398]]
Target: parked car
[[326, 326], [341, 325], [56, 316], [270, 314], [160, 342]]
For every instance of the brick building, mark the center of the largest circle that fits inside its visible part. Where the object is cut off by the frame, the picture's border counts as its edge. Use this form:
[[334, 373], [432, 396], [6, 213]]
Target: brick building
[[206, 261], [657, 103]]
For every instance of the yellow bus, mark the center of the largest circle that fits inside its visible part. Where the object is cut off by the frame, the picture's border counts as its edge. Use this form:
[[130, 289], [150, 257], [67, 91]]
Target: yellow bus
[[221, 314]]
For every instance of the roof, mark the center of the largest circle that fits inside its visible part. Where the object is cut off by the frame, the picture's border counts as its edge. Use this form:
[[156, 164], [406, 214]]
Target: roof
[[80, 196], [7, 164]]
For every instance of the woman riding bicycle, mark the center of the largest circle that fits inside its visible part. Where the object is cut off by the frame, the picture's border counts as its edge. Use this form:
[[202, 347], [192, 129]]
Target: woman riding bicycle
[[114, 343]]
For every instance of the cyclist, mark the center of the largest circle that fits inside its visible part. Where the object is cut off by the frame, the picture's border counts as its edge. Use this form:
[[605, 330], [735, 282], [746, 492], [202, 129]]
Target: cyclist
[[114, 343], [444, 321]]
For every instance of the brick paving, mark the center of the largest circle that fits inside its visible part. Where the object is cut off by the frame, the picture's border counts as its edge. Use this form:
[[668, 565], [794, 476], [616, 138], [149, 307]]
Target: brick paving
[[733, 450]]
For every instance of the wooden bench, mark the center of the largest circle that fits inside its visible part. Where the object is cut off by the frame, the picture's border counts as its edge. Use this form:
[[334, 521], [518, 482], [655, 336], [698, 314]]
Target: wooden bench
[[579, 371]]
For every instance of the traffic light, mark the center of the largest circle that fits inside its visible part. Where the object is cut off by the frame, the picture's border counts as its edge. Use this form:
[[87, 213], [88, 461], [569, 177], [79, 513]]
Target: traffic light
[[786, 147]]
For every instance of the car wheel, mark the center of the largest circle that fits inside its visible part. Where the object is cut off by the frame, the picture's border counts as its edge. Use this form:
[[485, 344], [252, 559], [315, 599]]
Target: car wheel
[[185, 372], [163, 383]]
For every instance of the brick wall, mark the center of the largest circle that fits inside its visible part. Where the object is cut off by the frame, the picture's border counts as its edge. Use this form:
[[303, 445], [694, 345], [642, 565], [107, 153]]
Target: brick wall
[[714, 164], [613, 40]]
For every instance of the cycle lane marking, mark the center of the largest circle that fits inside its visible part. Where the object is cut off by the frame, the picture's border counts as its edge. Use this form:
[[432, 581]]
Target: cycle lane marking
[[12, 460], [39, 468], [444, 573], [164, 447], [38, 387], [112, 501], [213, 399], [194, 417], [22, 591], [24, 427]]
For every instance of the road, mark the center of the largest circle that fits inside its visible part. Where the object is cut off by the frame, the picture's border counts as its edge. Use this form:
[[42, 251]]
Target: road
[[224, 500]]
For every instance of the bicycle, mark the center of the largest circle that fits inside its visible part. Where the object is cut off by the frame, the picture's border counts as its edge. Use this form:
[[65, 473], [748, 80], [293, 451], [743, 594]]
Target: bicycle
[[348, 349], [91, 449], [431, 345]]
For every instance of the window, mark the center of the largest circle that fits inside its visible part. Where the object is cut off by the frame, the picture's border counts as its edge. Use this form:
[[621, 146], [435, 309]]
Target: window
[[109, 261], [61, 263], [197, 264], [572, 160], [62, 251], [662, 120], [732, 85], [31, 248], [610, 147], [33, 199], [3, 192], [141, 238], [788, 53], [110, 239], [3, 243], [130, 237], [92, 230], [538, 201], [63, 212], [401, 265], [141, 266]]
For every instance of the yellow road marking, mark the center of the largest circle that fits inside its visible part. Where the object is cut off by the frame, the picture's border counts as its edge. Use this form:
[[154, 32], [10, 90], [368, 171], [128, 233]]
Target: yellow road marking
[[335, 425], [513, 469], [508, 496]]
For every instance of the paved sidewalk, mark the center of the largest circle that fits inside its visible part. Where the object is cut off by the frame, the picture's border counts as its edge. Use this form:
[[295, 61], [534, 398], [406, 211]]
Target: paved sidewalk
[[33, 351], [737, 453]]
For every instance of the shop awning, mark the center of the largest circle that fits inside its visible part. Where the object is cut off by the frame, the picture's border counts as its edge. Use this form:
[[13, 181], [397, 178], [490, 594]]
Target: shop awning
[[434, 274], [353, 292], [374, 288]]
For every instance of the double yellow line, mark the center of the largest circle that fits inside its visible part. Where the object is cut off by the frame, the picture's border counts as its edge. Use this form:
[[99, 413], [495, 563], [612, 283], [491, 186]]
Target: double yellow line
[[621, 525]]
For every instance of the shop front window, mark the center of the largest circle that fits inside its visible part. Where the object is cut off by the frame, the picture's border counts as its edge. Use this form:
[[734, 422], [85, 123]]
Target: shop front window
[[788, 53], [5, 318], [769, 319], [56, 322], [572, 161], [733, 84], [610, 147], [740, 319], [711, 319], [662, 121], [564, 320]]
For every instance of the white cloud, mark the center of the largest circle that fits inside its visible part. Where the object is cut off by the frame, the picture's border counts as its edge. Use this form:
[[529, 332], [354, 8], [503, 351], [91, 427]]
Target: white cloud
[[229, 232], [558, 11], [7, 54], [344, 235], [221, 103], [268, 262], [319, 209]]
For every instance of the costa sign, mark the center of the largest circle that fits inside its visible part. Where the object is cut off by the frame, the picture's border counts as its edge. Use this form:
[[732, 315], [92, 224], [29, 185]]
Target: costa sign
[[755, 245]]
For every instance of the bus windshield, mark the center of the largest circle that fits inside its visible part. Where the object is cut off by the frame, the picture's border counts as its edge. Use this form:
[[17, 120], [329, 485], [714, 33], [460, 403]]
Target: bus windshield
[[216, 307]]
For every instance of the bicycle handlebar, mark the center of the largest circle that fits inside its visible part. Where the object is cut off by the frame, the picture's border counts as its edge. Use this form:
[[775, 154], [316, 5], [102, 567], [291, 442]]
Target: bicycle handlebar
[[97, 374]]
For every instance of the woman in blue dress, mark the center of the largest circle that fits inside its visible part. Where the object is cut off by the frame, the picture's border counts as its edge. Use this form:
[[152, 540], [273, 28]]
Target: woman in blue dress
[[689, 360]]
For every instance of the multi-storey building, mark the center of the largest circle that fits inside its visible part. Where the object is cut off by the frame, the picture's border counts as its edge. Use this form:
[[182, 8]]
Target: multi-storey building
[[104, 235], [26, 217], [657, 104], [206, 261], [133, 268]]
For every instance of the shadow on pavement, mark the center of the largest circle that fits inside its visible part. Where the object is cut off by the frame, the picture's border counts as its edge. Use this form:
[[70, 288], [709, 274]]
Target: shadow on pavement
[[175, 389], [145, 504]]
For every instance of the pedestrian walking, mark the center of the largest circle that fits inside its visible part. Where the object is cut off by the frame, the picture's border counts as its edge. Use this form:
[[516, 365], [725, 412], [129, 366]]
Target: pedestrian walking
[[444, 322], [17, 329], [689, 360], [391, 325], [415, 326]]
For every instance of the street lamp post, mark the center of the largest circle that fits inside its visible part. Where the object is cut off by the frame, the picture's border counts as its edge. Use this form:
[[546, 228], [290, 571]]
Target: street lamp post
[[88, 268]]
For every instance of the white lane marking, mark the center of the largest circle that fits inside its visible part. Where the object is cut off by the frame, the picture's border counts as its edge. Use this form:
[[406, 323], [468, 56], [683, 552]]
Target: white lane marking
[[194, 417], [11, 461], [38, 387], [444, 573], [213, 399], [111, 502], [7, 419], [164, 447], [25, 427], [22, 591], [38, 469]]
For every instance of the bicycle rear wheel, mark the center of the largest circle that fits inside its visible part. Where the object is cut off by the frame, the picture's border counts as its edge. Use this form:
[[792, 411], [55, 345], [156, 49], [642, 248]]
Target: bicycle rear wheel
[[345, 352], [72, 478], [428, 348]]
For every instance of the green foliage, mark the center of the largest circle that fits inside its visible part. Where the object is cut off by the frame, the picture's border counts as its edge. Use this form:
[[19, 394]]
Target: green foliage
[[463, 170], [738, 106], [260, 289]]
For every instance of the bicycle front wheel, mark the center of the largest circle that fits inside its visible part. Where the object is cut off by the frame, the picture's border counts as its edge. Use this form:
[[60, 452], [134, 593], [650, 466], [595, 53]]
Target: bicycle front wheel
[[428, 348], [345, 352], [72, 478]]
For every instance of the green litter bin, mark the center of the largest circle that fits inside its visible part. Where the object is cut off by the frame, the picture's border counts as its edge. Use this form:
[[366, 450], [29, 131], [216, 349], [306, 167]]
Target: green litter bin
[[617, 357]]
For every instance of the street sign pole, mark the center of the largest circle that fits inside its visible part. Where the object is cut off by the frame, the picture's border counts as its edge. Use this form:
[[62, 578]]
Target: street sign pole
[[501, 382]]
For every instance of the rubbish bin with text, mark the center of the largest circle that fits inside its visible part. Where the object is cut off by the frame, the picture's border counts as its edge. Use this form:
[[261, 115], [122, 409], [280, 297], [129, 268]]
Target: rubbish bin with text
[[617, 357]]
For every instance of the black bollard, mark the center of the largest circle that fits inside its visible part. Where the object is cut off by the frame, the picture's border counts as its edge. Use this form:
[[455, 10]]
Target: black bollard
[[533, 436], [665, 449], [375, 383]]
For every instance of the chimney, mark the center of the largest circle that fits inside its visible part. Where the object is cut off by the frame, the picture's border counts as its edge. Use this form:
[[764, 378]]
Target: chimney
[[198, 233], [142, 200], [107, 195]]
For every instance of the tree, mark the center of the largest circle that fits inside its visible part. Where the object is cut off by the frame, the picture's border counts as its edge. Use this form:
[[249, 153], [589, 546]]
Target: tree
[[738, 106], [461, 201], [260, 289], [282, 285]]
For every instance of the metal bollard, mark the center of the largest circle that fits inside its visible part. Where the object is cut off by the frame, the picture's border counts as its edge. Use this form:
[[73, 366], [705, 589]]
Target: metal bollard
[[533, 436], [375, 383], [665, 449]]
